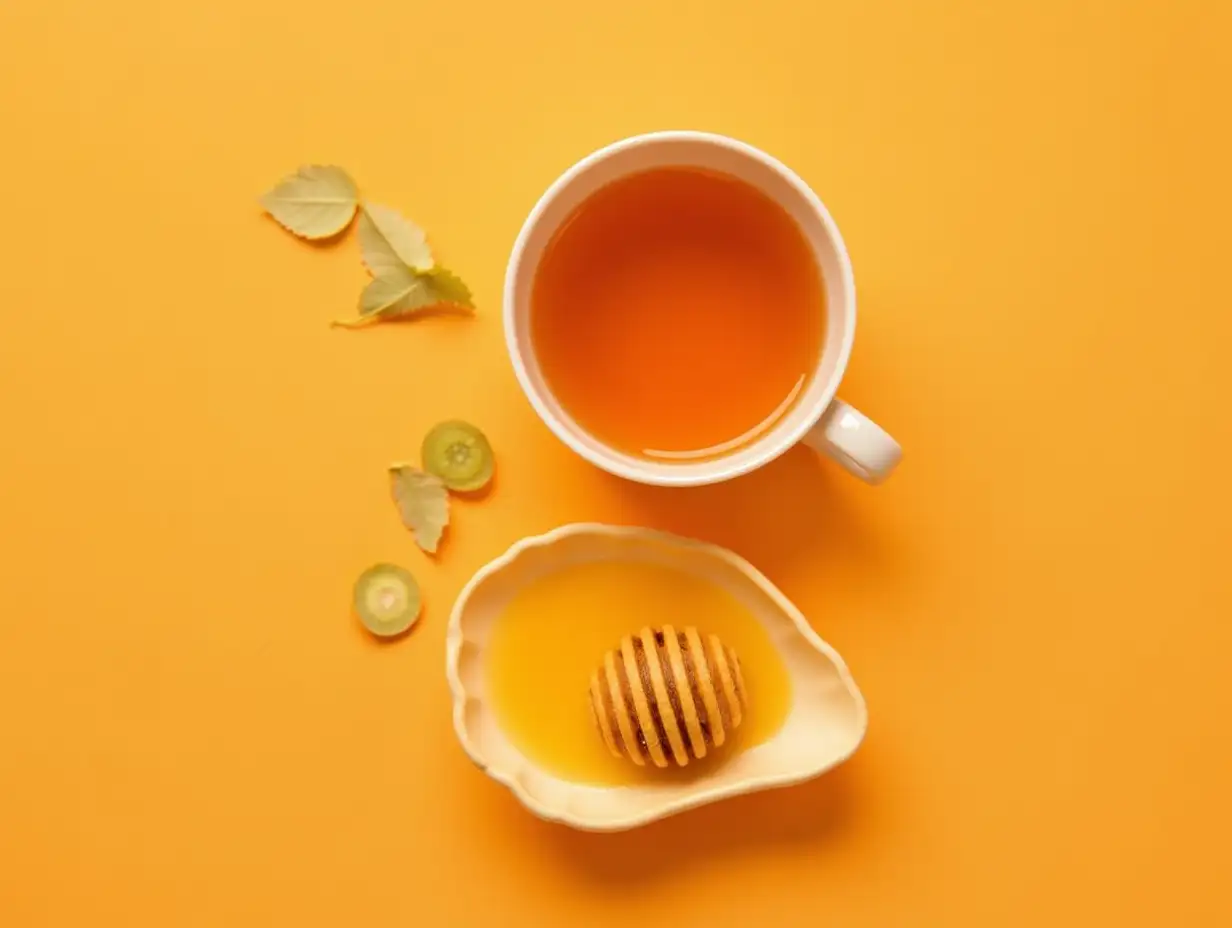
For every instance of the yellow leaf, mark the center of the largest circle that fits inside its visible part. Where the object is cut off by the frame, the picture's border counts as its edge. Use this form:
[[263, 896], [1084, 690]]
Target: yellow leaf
[[315, 202], [423, 503], [402, 291], [388, 240], [447, 287]]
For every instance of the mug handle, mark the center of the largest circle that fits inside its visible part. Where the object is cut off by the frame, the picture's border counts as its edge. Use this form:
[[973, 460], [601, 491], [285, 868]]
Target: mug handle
[[857, 442]]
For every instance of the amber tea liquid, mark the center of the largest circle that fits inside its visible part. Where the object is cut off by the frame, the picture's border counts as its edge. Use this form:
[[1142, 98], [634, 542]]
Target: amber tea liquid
[[677, 314]]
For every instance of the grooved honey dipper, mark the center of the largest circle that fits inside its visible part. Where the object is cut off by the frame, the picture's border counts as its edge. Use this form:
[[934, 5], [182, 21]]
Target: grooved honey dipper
[[662, 694]]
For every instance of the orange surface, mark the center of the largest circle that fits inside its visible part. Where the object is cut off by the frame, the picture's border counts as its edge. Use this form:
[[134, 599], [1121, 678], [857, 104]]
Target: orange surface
[[1038, 605]]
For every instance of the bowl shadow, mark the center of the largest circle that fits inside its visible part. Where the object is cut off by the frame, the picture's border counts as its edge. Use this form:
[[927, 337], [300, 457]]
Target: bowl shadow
[[813, 817]]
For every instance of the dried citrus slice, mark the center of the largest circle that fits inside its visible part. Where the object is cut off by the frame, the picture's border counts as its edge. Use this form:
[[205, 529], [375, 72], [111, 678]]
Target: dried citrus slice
[[459, 454], [387, 600]]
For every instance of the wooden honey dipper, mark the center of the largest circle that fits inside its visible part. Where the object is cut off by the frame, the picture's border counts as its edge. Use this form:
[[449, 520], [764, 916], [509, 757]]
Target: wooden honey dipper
[[663, 693]]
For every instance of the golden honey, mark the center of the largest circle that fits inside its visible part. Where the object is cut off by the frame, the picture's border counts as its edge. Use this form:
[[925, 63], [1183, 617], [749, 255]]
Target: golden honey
[[556, 630]]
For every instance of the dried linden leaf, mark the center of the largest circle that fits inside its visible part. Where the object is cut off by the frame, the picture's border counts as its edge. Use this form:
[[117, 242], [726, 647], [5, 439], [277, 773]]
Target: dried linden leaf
[[423, 502], [403, 291], [317, 201], [388, 241], [450, 289]]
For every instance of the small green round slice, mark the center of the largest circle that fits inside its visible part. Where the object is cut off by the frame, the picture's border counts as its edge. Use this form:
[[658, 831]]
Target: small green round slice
[[459, 454], [387, 600]]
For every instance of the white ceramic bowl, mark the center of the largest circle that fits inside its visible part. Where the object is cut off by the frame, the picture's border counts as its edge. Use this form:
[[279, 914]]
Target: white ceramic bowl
[[825, 724]]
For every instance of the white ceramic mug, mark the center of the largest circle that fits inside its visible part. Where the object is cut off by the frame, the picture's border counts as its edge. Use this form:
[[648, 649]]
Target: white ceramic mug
[[818, 418]]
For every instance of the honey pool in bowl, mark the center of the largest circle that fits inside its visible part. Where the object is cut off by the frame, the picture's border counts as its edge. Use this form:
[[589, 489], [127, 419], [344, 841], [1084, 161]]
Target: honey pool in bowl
[[554, 631]]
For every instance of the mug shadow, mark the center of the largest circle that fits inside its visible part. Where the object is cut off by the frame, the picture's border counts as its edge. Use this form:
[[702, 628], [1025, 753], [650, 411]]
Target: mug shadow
[[797, 517]]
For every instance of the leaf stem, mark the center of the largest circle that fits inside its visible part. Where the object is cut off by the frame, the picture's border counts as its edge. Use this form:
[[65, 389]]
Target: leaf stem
[[360, 323]]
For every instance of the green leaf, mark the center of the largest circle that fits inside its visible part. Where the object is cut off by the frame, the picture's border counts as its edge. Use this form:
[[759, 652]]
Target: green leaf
[[423, 503], [315, 202], [403, 291], [388, 241]]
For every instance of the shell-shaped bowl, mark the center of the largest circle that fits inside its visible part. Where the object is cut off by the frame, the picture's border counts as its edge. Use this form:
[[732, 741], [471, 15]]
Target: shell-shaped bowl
[[824, 726]]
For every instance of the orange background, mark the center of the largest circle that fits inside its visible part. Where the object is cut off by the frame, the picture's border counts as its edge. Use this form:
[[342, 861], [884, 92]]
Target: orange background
[[193, 731]]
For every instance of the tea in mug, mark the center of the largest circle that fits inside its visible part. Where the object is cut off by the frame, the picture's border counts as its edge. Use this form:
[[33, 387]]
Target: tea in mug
[[678, 314]]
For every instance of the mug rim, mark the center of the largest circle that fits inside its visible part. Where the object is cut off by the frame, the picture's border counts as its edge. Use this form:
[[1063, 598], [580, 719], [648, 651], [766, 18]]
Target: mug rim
[[776, 442]]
